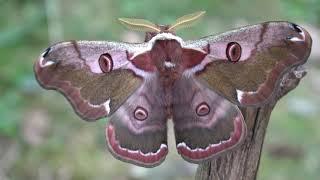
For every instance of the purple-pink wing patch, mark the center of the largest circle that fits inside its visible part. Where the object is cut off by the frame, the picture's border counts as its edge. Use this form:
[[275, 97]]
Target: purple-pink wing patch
[[205, 123], [246, 65], [88, 74]]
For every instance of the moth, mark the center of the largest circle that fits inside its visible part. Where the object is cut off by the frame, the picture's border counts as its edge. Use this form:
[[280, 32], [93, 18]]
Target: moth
[[198, 84]]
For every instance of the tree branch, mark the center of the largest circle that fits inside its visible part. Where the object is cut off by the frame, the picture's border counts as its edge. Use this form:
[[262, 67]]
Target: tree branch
[[243, 162]]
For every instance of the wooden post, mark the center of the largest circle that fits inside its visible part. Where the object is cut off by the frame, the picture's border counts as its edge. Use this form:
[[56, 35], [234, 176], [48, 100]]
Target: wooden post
[[243, 162]]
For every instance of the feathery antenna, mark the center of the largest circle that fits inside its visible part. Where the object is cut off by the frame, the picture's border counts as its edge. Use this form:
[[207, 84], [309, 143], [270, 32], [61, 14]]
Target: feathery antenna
[[186, 20], [139, 25]]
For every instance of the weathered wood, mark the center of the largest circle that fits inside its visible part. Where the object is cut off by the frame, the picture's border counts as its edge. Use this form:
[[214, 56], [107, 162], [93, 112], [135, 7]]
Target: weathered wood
[[243, 162]]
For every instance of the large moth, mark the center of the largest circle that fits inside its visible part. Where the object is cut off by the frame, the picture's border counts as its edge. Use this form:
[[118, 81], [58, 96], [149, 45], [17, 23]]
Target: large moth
[[198, 84]]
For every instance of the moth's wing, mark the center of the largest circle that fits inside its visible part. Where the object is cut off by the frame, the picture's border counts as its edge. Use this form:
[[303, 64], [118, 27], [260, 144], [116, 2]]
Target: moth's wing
[[205, 123], [268, 50], [137, 131], [95, 76]]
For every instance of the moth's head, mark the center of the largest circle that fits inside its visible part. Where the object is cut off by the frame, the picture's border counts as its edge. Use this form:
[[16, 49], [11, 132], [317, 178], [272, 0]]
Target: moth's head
[[152, 29]]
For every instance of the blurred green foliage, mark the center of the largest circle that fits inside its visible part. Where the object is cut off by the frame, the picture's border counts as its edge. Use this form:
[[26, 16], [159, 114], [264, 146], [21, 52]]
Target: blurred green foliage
[[42, 138]]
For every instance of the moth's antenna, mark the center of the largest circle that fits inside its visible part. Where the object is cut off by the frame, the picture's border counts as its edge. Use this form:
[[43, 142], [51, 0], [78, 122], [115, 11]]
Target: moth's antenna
[[139, 25], [186, 20]]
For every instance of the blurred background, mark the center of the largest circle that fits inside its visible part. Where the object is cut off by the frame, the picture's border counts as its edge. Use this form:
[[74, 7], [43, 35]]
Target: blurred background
[[42, 138]]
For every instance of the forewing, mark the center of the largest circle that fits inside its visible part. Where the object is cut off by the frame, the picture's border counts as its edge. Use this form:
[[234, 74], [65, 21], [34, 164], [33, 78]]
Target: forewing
[[95, 76], [267, 51]]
